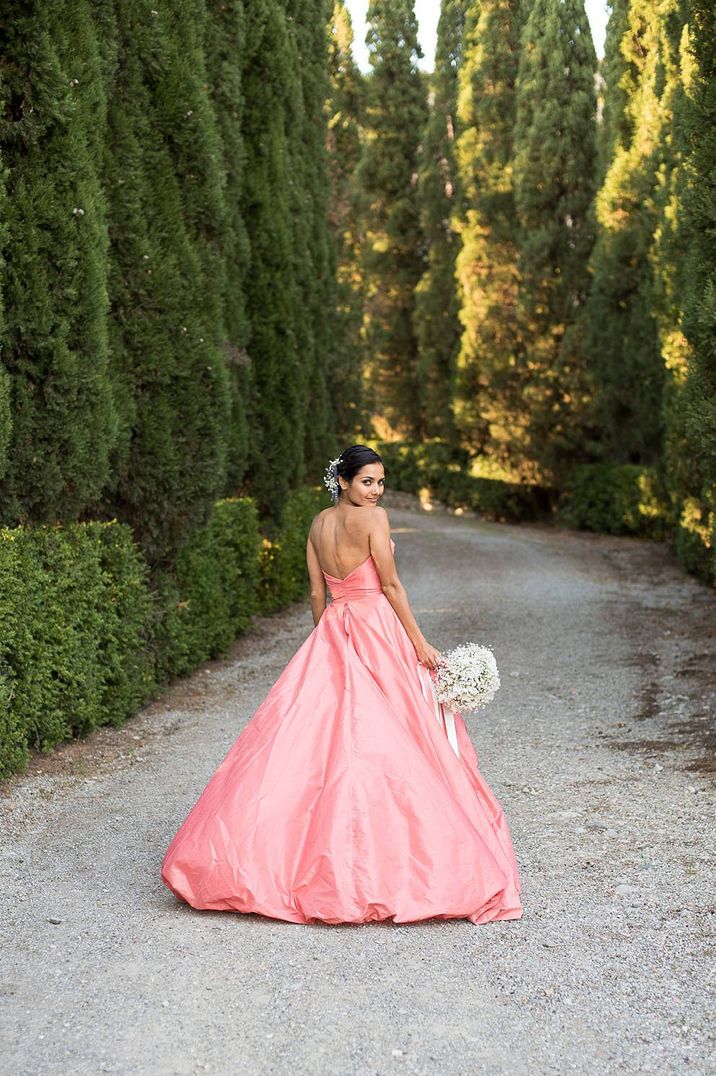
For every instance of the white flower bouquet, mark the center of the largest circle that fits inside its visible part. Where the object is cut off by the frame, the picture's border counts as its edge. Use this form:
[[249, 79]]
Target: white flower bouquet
[[467, 678]]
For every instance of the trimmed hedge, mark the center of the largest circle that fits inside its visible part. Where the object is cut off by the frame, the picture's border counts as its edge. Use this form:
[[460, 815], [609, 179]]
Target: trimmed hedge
[[445, 472], [614, 499], [210, 594], [74, 617], [87, 635], [283, 555]]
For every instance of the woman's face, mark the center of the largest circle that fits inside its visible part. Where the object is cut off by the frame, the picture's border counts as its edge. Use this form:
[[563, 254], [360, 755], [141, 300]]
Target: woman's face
[[366, 487]]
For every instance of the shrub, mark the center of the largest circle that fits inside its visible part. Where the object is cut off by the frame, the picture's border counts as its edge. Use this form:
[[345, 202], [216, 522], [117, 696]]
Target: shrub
[[445, 472], [87, 635], [283, 557], [402, 470], [209, 595], [614, 499], [695, 539], [73, 620]]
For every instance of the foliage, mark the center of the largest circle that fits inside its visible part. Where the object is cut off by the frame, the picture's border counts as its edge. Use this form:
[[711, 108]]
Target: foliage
[[554, 164], [344, 143], [621, 332], [62, 426], [283, 553], [309, 189], [166, 274], [74, 620], [436, 323], [489, 406], [210, 593], [614, 499], [271, 87], [445, 472], [697, 490], [166, 211], [395, 114], [225, 32], [88, 634]]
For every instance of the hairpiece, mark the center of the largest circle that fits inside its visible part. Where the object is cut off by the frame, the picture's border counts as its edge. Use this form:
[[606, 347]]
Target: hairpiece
[[330, 479]]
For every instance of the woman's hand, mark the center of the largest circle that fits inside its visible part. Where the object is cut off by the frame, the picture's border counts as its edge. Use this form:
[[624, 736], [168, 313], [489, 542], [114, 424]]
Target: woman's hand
[[427, 654]]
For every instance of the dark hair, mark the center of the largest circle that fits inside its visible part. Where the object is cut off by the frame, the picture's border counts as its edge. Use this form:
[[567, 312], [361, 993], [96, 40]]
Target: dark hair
[[354, 459]]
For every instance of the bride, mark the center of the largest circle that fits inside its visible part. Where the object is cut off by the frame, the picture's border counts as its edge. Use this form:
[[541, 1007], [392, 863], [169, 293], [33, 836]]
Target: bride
[[342, 800]]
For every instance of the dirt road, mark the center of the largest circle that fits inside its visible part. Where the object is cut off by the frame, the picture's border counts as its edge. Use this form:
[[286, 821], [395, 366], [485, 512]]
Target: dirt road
[[598, 748]]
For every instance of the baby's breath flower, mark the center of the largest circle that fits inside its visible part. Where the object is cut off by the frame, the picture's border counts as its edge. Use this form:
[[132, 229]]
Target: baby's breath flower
[[467, 678]]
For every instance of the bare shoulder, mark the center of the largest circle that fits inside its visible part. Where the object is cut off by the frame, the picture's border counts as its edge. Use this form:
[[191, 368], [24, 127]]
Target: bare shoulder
[[317, 522], [379, 522]]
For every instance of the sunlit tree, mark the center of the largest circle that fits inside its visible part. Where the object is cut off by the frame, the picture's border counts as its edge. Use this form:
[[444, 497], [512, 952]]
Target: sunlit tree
[[393, 261], [554, 166]]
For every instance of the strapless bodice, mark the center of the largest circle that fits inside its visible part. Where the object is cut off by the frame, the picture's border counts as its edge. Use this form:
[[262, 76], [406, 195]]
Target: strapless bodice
[[360, 583]]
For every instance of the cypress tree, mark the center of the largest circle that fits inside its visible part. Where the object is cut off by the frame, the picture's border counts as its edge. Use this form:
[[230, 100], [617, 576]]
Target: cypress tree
[[554, 165], [312, 267], [271, 87], [668, 249], [613, 127], [621, 331], [225, 45], [54, 336], [343, 110], [436, 306], [698, 457], [489, 408], [396, 111], [165, 195], [5, 413]]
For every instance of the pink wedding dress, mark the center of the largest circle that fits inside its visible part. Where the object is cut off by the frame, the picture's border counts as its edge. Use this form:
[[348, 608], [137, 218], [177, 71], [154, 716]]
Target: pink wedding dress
[[342, 800]]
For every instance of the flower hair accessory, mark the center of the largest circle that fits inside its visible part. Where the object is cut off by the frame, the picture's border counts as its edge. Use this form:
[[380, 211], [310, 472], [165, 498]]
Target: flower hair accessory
[[330, 479]]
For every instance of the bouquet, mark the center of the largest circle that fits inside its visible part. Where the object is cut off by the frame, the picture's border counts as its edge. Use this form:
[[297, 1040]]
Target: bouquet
[[467, 679]]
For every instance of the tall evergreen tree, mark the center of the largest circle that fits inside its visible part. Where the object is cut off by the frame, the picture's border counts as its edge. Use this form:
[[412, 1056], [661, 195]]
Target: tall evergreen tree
[[393, 256], [271, 86], [698, 487], [343, 110], [621, 332], [613, 126], [166, 212], [436, 306], [489, 407], [313, 270], [669, 245], [54, 337], [225, 45], [554, 165], [5, 413]]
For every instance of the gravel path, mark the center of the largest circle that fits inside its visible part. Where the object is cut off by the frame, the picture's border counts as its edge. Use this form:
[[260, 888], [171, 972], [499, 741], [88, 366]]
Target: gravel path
[[598, 748]]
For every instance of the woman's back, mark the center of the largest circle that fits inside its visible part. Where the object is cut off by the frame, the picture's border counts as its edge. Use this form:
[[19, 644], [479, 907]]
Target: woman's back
[[341, 538]]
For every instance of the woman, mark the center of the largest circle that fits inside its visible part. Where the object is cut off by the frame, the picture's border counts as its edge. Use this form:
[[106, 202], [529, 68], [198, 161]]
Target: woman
[[342, 800]]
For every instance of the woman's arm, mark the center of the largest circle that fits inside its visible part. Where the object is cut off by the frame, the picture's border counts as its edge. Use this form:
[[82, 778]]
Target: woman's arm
[[318, 583], [394, 590]]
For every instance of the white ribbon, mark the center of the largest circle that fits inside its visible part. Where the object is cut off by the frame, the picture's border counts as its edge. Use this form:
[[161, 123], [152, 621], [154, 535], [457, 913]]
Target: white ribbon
[[443, 715]]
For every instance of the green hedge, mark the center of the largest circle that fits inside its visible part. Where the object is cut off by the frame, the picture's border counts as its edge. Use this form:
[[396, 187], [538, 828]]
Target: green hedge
[[607, 498], [87, 635], [445, 473], [614, 499], [75, 611], [210, 594], [283, 555], [695, 539]]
